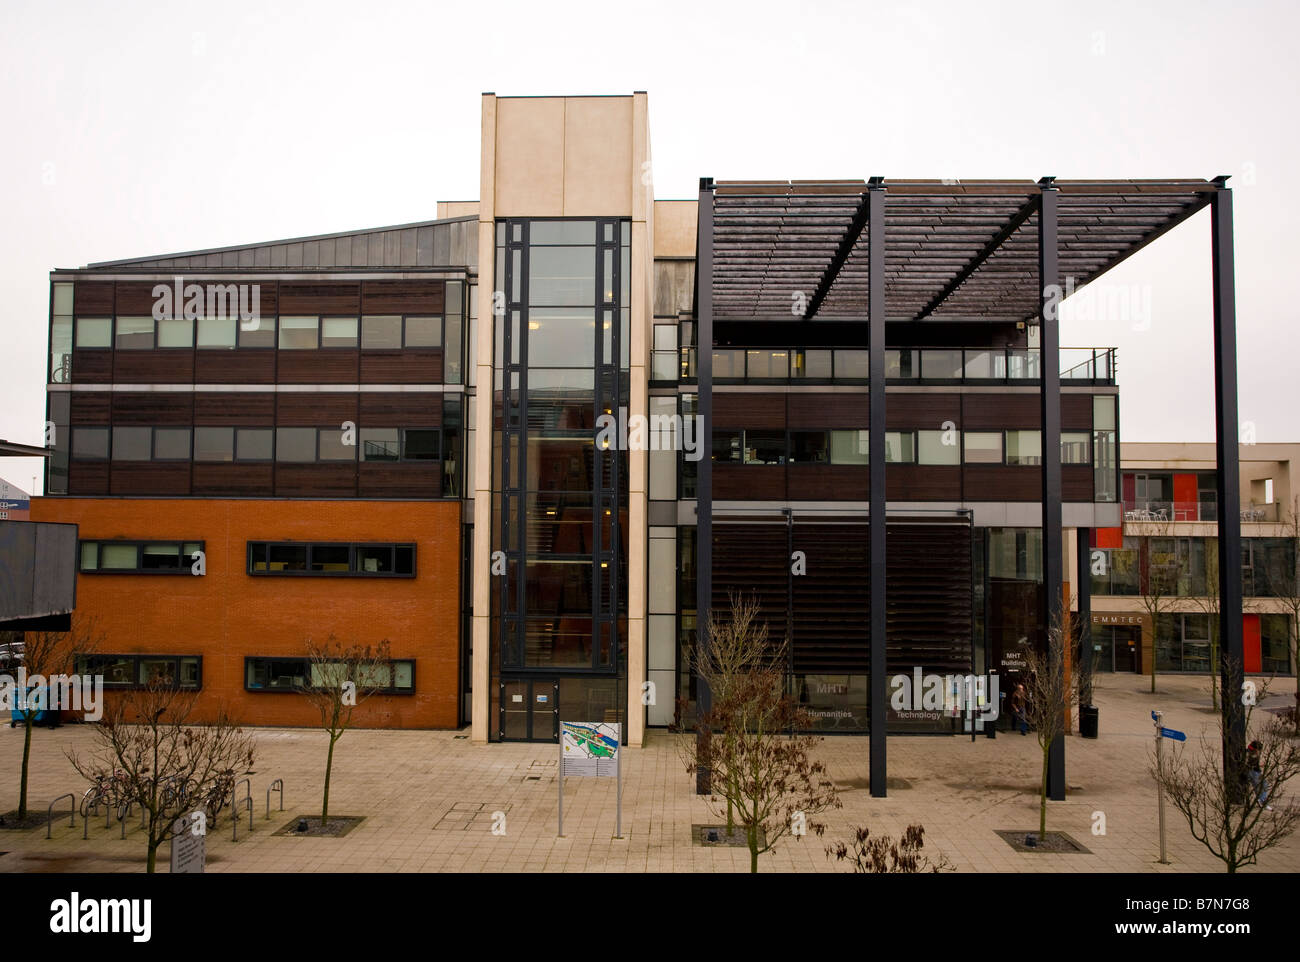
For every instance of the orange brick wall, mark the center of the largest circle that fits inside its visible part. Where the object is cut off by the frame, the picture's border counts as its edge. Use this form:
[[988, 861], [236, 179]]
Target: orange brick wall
[[228, 614]]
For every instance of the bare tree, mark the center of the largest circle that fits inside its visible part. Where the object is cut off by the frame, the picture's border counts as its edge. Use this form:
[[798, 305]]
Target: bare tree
[[342, 677], [764, 773], [1054, 693], [155, 757], [883, 855], [1158, 582], [48, 654], [1233, 809]]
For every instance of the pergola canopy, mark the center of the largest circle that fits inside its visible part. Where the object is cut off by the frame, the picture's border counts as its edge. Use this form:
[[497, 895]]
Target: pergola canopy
[[956, 251]]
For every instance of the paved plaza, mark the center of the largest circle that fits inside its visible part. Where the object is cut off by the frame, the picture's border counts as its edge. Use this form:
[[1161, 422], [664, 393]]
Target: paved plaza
[[429, 798]]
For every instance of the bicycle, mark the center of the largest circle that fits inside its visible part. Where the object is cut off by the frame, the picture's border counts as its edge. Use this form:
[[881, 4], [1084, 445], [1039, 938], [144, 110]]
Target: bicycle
[[109, 790]]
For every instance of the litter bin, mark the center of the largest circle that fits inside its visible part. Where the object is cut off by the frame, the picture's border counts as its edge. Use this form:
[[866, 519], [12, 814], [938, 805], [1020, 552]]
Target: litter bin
[[1088, 721]]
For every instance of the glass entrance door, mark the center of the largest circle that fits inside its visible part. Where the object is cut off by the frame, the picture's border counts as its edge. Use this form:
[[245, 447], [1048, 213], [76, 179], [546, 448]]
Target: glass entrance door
[[530, 710], [1126, 651]]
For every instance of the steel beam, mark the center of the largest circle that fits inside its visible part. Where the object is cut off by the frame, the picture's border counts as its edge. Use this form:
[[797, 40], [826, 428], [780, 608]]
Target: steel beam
[[704, 470], [1049, 335], [1232, 664], [847, 243], [875, 205], [1083, 591]]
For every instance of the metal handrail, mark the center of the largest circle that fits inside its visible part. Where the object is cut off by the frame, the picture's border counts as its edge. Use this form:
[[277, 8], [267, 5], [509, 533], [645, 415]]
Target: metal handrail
[[72, 812], [276, 786], [236, 805]]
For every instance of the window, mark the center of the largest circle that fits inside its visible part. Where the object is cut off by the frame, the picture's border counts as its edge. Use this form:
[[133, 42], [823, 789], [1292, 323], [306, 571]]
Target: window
[[176, 332], [94, 332], [764, 447], [90, 444], [1076, 447], [1024, 447], [171, 444], [132, 444], [295, 444], [259, 332], [424, 332], [134, 333], [137, 671], [938, 447], [332, 447], [331, 559], [217, 332], [214, 444], [983, 448], [381, 444], [338, 332], [253, 444], [849, 447], [809, 447], [299, 333], [396, 677], [419, 444], [900, 447], [139, 557], [381, 332]]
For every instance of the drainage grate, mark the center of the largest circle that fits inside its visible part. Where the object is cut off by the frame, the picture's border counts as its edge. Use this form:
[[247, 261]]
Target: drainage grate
[[1052, 843], [464, 816]]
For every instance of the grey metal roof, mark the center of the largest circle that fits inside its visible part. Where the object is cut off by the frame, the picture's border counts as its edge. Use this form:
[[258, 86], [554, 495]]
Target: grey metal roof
[[451, 242], [953, 251]]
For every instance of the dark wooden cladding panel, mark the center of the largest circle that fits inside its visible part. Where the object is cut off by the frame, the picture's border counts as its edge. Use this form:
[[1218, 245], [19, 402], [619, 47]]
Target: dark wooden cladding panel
[[825, 410], [827, 482], [240, 409], [402, 297], [316, 480], [994, 412], [335, 365], [313, 409], [733, 410], [153, 408], [381, 480], [234, 367], [88, 477], [1076, 482], [928, 585], [92, 365], [923, 482], [423, 410], [150, 477], [752, 561], [1076, 412], [748, 482], [92, 298], [997, 482], [159, 366], [925, 412], [832, 601], [90, 408], [136, 298], [243, 480], [411, 366], [323, 298]]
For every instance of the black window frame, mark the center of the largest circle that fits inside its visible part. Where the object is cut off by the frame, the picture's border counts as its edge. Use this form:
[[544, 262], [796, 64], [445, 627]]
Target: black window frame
[[139, 545], [306, 662], [84, 665], [353, 547]]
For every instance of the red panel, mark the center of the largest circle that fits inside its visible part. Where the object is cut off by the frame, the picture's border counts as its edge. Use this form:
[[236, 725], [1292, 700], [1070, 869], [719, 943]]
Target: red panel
[[1108, 537], [1185, 497], [1129, 483], [1250, 642]]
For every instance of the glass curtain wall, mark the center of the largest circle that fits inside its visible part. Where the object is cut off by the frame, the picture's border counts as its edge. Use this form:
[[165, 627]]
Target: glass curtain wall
[[560, 474]]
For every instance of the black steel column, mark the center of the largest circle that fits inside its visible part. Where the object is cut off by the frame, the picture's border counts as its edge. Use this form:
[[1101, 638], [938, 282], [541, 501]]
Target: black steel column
[[1226, 474], [1083, 591], [1049, 343], [876, 457], [704, 468]]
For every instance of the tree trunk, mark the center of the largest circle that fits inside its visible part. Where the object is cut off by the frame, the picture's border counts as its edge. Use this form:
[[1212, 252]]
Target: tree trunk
[[1042, 798], [753, 850], [151, 865], [325, 803], [27, 754]]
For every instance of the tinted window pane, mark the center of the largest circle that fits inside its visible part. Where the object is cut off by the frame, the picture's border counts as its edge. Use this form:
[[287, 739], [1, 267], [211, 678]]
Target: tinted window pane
[[157, 671], [166, 556], [339, 332], [562, 275], [404, 559], [764, 447], [131, 444], [1024, 447], [557, 338], [134, 332], [171, 444], [899, 447], [332, 447], [89, 555], [253, 444], [809, 447], [257, 332], [94, 332], [420, 445], [298, 333], [330, 557], [381, 331], [849, 447], [424, 332], [217, 332], [938, 447], [375, 559], [117, 556], [176, 333], [295, 444], [380, 444], [1075, 448], [404, 675], [288, 557], [214, 444], [983, 448], [90, 443], [562, 232]]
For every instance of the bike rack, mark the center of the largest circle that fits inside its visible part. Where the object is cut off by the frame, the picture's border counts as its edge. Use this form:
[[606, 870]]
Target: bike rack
[[246, 801], [276, 786], [72, 813]]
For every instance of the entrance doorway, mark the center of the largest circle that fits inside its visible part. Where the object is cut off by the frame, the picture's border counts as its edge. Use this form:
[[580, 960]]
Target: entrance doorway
[[1117, 648], [530, 710]]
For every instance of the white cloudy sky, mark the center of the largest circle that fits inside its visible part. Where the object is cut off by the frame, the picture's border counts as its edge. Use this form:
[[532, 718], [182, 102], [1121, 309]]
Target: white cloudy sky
[[138, 128]]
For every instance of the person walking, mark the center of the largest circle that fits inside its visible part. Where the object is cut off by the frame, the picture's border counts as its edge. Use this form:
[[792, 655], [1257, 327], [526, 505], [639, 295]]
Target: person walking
[[1254, 772], [1019, 702]]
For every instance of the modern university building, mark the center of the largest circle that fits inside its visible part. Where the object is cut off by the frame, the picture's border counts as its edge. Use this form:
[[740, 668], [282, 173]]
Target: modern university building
[[530, 440]]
